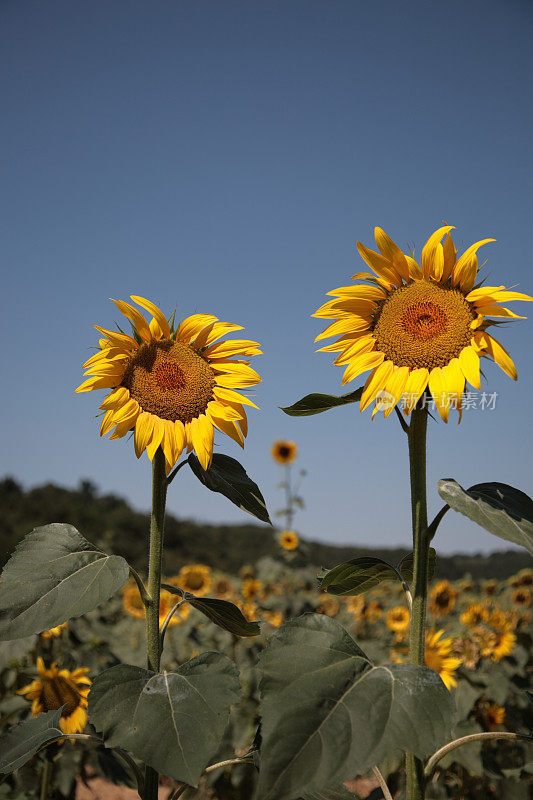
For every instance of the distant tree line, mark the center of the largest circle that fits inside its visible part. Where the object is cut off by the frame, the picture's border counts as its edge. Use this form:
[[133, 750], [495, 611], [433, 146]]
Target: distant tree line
[[110, 523]]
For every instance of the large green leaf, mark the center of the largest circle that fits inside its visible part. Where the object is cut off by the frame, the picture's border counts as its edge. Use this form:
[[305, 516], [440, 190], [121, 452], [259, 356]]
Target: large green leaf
[[228, 477], [406, 565], [53, 575], [500, 509], [337, 792], [172, 721], [22, 741], [357, 576], [329, 713], [317, 403]]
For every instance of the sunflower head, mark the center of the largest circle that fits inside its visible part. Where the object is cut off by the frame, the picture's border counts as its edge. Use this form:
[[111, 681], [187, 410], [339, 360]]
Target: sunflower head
[[417, 326], [171, 386], [397, 619], [289, 540], [523, 578], [134, 607], [193, 578], [328, 605], [442, 599], [251, 588], [522, 597], [474, 615], [490, 715], [373, 611], [57, 687], [283, 451], [438, 657]]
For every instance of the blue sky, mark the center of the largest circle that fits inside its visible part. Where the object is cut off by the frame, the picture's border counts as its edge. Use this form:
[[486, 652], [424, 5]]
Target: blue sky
[[224, 157]]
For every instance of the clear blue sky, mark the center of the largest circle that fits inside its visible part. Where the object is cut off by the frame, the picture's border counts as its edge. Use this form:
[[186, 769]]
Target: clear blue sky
[[225, 156]]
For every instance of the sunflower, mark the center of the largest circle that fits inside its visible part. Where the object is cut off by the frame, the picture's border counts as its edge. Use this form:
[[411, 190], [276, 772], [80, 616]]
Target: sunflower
[[133, 605], [223, 588], [54, 633], [467, 651], [373, 611], [438, 658], [284, 452], [289, 540], [328, 605], [442, 599], [522, 597], [274, 618], [397, 619], [522, 578], [490, 587], [474, 614], [193, 578], [172, 387], [251, 588], [58, 687], [494, 644], [417, 326], [491, 715], [355, 606]]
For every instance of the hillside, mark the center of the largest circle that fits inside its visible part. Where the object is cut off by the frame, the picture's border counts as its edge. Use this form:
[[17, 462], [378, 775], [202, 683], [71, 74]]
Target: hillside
[[109, 522]]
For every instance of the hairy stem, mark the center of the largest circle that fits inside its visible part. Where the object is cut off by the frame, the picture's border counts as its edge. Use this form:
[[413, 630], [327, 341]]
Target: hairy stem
[[417, 465], [473, 737], [46, 779], [383, 783], [153, 640]]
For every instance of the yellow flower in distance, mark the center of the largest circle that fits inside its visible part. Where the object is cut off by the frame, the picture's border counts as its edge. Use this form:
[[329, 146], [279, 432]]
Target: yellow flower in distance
[[193, 578], [133, 605], [288, 540], [397, 619], [442, 599], [417, 326], [491, 715], [437, 657], [172, 388], [54, 633], [283, 451], [57, 687], [474, 614]]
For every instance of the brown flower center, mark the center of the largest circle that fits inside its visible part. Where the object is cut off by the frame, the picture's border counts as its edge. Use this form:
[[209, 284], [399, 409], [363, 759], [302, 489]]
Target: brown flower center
[[423, 325], [169, 379], [58, 691]]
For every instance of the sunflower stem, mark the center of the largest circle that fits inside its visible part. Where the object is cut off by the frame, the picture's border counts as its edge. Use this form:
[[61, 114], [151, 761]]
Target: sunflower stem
[[417, 464], [46, 779], [157, 524]]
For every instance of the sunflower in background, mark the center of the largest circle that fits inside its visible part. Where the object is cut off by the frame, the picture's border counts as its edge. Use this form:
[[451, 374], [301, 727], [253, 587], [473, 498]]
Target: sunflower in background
[[193, 578], [417, 326], [397, 619], [289, 540], [490, 715], [438, 657], [442, 599], [134, 607], [283, 451], [57, 687], [474, 615], [54, 633], [172, 387]]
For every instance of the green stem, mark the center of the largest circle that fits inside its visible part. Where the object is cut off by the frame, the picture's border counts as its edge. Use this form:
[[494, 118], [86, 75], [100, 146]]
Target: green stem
[[46, 777], [417, 464], [473, 737], [153, 641]]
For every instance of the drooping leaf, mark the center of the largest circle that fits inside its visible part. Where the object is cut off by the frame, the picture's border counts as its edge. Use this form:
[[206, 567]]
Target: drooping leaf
[[53, 575], [228, 477], [406, 565], [329, 713], [22, 741], [357, 576], [172, 721], [317, 403], [226, 615], [500, 509]]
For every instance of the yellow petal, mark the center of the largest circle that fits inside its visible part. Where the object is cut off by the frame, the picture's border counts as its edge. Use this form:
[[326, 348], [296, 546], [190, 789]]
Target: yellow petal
[[391, 251], [143, 431], [360, 364], [375, 382], [107, 423], [129, 410], [225, 410], [439, 393], [350, 324], [221, 393], [156, 438], [336, 308], [116, 399], [191, 326], [501, 356], [232, 347], [450, 257], [137, 319], [213, 332], [118, 339], [415, 386], [469, 363], [362, 345], [415, 273], [108, 382], [395, 387], [383, 267], [497, 311], [430, 250], [155, 311], [359, 290], [465, 264], [234, 380], [454, 384]]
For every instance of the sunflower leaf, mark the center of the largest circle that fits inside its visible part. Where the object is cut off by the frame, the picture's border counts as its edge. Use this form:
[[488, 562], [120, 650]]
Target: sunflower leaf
[[188, 708], [225, 614], [22, 741], [501, 509], [337, 792], [405, 567], [54, 575], [357, 576], [228, 477], [317, 403], [328, 713]]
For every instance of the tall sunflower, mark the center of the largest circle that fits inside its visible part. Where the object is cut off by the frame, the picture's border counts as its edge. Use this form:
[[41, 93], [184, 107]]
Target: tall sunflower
[[172, 386], [417, 326], [438, 657], [57, 687]]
